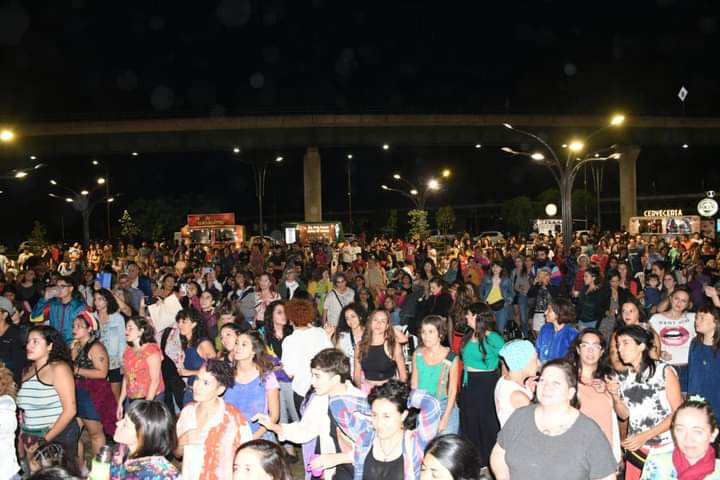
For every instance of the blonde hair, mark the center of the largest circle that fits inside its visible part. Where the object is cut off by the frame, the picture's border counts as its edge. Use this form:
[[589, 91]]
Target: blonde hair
[[7, 382]]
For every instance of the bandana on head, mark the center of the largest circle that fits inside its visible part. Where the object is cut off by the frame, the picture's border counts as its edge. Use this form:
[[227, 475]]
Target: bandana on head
[[89, 320]]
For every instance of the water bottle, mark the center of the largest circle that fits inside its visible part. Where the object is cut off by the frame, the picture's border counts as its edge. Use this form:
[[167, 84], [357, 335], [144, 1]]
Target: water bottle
[[100, 469]]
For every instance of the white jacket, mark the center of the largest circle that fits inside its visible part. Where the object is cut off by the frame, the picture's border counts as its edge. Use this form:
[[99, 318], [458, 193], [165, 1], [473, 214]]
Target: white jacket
[[8, 425]]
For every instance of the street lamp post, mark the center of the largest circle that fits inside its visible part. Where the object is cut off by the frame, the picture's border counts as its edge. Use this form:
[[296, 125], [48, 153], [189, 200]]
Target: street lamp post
[[81, 203], [416, 195], [565, 171], [259, 169], [106, 181]]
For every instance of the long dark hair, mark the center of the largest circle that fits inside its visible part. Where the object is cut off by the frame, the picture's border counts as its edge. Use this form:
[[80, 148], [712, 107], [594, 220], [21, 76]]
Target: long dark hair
[[59, 351], [641, 337], [110, 301], [458, 455], [199, 331], [261, 359], [603, 367], [148, 331], [269, 327], [485, 322], [273, 458], [343, 327], [364, 345], [155, 427], [642, 314], [700, 338]]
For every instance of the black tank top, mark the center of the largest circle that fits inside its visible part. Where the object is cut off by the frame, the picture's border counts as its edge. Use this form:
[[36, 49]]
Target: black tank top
[[376, 365], [375, 469]]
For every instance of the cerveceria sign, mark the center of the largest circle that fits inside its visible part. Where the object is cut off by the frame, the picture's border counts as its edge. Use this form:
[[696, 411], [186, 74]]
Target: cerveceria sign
[[663, 213], [205, 220]]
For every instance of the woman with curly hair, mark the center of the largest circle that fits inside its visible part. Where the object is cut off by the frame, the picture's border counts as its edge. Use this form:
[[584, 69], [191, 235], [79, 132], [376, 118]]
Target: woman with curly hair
[[210, 430], [256, 389], [47, 392], [142, 361]]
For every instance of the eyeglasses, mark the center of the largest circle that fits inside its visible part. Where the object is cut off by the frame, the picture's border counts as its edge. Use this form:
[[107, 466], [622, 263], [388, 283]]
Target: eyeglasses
[[593, 346]]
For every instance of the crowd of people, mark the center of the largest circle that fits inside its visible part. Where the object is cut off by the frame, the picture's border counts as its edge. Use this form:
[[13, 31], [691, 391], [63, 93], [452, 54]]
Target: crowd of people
[[364, 359]]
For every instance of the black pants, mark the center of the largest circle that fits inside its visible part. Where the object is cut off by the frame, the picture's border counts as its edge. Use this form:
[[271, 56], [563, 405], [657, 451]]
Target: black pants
[[478, 420], [298, 400]]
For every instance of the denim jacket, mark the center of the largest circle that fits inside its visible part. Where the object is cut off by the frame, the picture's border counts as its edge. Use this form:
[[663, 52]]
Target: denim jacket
[[112, 335], [506, 289]]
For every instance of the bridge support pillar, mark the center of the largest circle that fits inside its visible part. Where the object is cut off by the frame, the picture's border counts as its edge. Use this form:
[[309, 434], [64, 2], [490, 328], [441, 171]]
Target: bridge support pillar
[[628, 183], [313, 185]]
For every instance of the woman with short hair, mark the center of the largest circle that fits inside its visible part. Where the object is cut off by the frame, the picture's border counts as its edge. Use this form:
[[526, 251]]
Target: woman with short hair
[[557, 334]]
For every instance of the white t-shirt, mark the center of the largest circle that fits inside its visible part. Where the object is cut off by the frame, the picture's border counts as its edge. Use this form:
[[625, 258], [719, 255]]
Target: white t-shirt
[[8, 425], [348, 254], [298, 349], [503, 393], [675, 335], [335, 302]]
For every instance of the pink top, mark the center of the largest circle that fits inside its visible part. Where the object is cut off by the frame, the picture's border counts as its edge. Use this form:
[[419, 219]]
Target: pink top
[[137, 371]]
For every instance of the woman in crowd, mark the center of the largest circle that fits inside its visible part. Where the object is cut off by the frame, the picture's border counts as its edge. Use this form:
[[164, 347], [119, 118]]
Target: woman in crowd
[[142, 362], [588, 357], [463, 299], [497, 291], [112, 335], [349, 332], [8, 425], [256, 390], [589, 310], [440, 300], [378, 356], [229, 333], [393, 432], [669, 284], [319, 286], [197, 348], [704, 357], [676, 328], [450, 457], [532, 438], [301, 346], [694, 429], [265, 294], [521, 286], [364, 300], [86, 287], [96, 403], [435, 370], [228, 313], [557, 334], [647, 394], [631, 313], [612, 297], [260, 460], [47, 393], [148, 431], [276, 327], [209, 430], [208, 315], [479, 352], [516, 387], [543, 292], [626, 280]]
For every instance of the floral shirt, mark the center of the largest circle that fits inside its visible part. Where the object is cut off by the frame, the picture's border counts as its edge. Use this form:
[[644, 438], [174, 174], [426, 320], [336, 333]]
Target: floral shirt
[[137, 370], [145, 468]]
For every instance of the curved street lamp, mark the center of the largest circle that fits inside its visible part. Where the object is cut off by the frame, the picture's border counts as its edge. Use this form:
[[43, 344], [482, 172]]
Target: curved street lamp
[[564, 171], [418, 196]]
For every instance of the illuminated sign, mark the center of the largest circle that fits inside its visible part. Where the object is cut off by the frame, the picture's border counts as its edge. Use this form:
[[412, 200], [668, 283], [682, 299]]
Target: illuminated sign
[[707, 207], [206, 220], [663, 213], [317, 231]]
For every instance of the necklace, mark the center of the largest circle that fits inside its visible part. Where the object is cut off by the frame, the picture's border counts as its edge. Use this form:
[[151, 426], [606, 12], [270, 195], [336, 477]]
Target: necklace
[[387, 453], [553, 430]]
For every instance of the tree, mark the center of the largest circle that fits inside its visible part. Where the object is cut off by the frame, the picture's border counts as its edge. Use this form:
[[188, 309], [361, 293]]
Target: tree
[[36, 239], [392, 222], [518, 213], [128, 229], [419, 227], [159, 218], [445, 218]]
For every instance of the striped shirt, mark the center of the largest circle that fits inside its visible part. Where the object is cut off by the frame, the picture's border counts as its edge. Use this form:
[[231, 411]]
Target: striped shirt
[[40, 402]]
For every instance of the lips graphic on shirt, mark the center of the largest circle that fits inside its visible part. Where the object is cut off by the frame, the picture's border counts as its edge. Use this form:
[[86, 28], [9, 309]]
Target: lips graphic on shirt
[[674, 336]]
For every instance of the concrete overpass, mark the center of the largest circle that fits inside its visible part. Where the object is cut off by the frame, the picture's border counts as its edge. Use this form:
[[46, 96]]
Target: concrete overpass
[[315, 132]]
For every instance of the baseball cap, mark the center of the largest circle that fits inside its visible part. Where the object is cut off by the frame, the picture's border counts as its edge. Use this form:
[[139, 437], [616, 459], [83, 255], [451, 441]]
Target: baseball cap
[[517, 354], [7, 305]]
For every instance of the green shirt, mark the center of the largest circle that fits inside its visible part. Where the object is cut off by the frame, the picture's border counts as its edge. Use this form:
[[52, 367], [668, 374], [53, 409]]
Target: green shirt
[[472, 356]]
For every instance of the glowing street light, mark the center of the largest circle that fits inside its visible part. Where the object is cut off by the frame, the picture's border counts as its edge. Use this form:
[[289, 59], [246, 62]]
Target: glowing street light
[[69, 200], [386, 146], [278, 159], [84, 192], [134, 154], [433, 184], [576, 146], [236, 150], [101, 181], [33, 157], [53, 182], [537, 156], [384, 187], [7, 135], [95, 162], [617, 120], [349, 156], [413, 192], [446, 173], [478, 146], [397, 176], [21, 174]]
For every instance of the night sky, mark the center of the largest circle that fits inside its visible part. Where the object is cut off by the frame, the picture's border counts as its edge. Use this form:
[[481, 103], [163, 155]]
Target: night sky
[[82, 60]]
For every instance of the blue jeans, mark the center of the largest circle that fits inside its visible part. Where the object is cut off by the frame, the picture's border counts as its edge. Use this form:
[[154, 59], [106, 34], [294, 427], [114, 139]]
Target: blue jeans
[[453, 425], [522, 301], [501, 318]]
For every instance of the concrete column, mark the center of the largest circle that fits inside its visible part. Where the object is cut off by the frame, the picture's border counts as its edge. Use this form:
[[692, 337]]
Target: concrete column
[[628, 183], [313, 185]]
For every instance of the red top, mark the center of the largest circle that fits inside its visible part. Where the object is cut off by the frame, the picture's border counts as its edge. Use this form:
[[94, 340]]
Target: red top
[[137, 371]]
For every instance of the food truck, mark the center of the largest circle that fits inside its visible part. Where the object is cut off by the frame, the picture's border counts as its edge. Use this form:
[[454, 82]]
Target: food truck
[[216, 229]]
